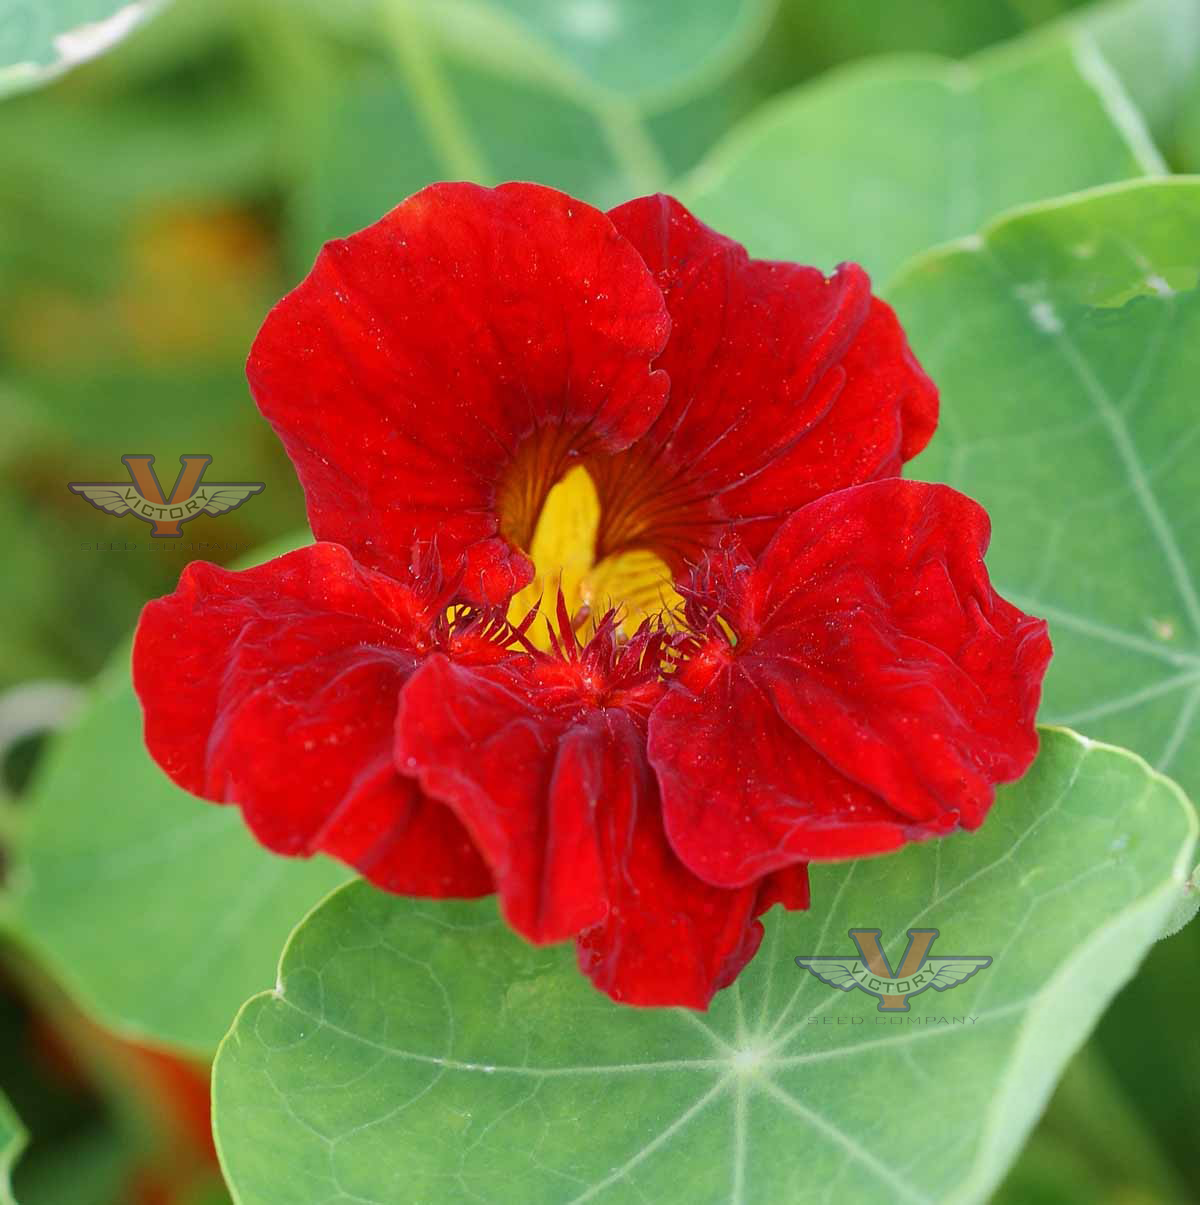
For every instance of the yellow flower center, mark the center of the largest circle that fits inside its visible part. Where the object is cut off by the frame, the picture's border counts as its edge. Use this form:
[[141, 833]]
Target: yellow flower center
[[563, 548]]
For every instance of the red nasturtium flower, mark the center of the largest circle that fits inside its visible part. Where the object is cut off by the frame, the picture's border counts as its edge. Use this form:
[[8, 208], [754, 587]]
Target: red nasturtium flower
[[493, 396]]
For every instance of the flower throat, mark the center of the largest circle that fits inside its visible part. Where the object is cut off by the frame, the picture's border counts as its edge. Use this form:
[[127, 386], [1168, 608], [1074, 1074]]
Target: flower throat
[[563, 544]]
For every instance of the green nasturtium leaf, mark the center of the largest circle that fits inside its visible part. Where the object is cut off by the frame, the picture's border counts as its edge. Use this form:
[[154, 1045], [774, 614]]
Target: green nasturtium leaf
[[12, 1143], [617, 109], [1154, 47], [633, 52], [415, 1050], [1066, 343], [645, 53], [465, 84], [826, 34], [1185, 908], [158, 912], [40, 39], [877, 162]]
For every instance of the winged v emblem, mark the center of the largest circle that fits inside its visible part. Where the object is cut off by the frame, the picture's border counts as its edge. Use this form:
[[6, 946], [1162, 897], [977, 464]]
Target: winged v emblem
[[871, 972], [142, 496]]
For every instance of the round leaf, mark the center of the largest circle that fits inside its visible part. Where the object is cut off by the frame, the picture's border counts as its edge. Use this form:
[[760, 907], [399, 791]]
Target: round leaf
[[1066, 342], [877, 162], [421, 1051]]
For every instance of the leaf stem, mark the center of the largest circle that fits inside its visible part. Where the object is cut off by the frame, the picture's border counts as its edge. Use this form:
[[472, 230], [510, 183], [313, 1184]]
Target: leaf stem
[[416, 54], [631, 145]]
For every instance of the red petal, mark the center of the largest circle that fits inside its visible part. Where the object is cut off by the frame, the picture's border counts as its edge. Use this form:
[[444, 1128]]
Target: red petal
[[556, 792], [785, 385], [878, 690], [788, 887], [668, 938], [524, 788], [469, 331], [276, 689]]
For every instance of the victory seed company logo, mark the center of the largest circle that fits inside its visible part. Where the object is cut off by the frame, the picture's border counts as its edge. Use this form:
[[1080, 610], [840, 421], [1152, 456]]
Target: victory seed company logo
[[872, 973], [143, 497]]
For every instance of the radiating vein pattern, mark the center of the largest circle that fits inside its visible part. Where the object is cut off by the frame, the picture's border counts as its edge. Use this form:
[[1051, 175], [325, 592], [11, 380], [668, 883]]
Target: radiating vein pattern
[[418, 1051], [1066, 342]]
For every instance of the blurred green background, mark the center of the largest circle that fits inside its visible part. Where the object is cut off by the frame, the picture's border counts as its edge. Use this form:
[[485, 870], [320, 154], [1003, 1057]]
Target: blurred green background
[[155, 202]]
